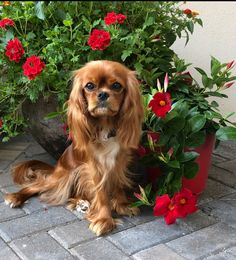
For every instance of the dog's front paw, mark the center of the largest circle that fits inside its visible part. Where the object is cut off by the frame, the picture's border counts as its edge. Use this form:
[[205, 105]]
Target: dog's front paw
[[103, 225], [13, 200], [79, 205]]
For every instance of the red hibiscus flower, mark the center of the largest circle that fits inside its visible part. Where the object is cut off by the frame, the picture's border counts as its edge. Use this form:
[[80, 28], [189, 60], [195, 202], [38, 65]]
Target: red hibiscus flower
[[1, 123], [165, 206], [113, 17], [33, 66], [160, 104], [110, 18], [14, 50], [185, 202], [99, 39], [6, 22], [141, 151]]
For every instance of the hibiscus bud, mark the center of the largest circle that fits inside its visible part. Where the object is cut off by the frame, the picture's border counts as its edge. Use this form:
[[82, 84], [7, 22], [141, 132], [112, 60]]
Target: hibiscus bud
[[1, 123], [159, 85], [230, 64], [228, 85], [170, 152], [166, 82], [138, 196]]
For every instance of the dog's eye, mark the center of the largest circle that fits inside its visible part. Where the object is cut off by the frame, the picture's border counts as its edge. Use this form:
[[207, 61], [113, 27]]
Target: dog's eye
[[116, 86], [90, 86]]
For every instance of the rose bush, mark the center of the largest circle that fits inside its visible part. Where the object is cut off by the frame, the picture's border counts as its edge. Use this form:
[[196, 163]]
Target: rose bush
[[41, 43]]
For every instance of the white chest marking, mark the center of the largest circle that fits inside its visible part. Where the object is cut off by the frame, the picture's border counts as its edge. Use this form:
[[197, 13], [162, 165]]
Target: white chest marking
[[106, 155]]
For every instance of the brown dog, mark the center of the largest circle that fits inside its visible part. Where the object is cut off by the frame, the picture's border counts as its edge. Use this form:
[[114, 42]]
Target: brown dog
[[105, 115]]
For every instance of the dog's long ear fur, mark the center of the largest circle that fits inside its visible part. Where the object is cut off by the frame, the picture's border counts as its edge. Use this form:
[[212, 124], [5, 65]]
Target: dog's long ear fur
[[77, 114], [131, 114]]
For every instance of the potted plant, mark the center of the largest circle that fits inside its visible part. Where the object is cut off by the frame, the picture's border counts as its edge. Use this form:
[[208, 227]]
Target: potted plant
[[42, 42]]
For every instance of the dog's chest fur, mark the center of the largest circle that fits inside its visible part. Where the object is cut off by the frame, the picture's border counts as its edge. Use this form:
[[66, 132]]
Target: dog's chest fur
[[107, 151]]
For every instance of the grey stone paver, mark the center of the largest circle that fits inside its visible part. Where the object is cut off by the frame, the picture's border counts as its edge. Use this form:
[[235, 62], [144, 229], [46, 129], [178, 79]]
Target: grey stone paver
[[145, 235], [7, 213], [39, 231], [230, 199], [4, 164], [222, 211], [6, 253], [204, 242], [229, 165], [40, 246], [5, 179], [226, 149], [99, 249], [1, 197], [196, 221], [72, 234], [160, 251], [9, 154], [223, 176], [213, 190], [34, 222]]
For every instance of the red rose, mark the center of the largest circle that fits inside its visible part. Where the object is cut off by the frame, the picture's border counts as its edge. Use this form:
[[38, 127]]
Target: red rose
[[14, 50], [114, 18], [185, 202], [99, 39], [1, 123], [6, 22], [187, 11], [110, 18], [160, 104], [120, 18], [33, 66], [165, 206]]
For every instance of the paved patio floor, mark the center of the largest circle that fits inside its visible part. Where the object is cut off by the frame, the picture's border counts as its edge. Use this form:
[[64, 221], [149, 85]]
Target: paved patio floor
[[37, 231]]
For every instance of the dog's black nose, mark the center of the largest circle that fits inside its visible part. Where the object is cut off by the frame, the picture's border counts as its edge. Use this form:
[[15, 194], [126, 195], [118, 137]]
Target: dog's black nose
[[102, 96]]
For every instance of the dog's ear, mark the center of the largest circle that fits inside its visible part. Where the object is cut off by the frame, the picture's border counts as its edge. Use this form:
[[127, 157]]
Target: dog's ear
[[77, 114], [131, 114]]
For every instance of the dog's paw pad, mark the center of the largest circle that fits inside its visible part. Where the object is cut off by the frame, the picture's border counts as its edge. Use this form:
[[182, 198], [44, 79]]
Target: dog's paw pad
[[82, 206]]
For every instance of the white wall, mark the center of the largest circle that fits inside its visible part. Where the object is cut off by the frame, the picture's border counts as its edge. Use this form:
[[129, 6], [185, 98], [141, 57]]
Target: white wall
[[216, 38]]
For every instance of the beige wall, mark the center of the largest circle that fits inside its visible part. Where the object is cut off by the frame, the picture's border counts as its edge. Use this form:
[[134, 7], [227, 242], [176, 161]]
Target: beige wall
[[217, 38]]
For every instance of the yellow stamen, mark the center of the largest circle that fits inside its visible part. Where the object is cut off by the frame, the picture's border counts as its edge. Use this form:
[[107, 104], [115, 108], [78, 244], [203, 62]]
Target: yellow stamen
[[162, 103], [183, 201], [171, 206]]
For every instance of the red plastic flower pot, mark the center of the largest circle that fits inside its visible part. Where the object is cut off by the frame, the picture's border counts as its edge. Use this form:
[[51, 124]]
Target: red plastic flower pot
[[198, 183]]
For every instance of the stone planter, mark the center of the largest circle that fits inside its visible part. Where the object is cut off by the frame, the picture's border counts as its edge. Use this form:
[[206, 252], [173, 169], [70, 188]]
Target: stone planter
[[47, 132]]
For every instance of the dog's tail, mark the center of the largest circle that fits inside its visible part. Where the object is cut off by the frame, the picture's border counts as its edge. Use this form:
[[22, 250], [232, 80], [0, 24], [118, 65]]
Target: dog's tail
[[30, 171]]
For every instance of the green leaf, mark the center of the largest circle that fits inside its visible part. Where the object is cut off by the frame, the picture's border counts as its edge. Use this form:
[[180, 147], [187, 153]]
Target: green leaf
[[197, 122], [175, 125], [207, 82], [201, 71], [226, 133], [148, 189], [188, 156], [9, 35], [39, 10], [215, 94], [67, 23], [214, 104], [125, 54], [195, 139], [148, 22], [173, 164], [52, 115], [136, 204], [190, 26], [190, 170]]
